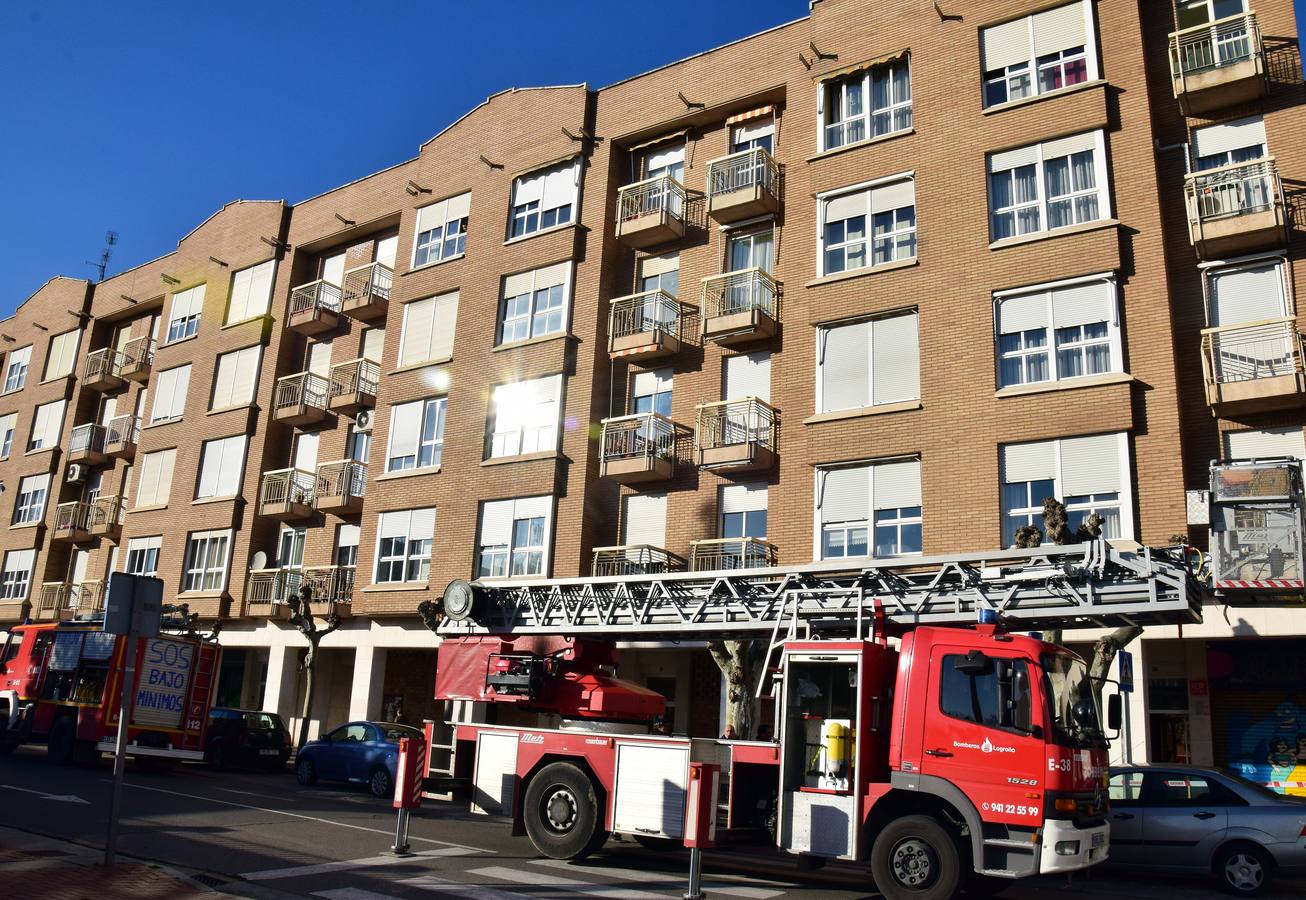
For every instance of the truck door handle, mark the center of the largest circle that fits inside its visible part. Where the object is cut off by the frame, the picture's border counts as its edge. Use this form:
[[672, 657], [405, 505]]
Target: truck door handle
[[938, 753], [1123, 816], [1204, 815]]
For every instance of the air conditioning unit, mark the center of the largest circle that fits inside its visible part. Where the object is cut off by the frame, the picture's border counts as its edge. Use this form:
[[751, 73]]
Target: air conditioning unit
[[363, 421], [76, 473]]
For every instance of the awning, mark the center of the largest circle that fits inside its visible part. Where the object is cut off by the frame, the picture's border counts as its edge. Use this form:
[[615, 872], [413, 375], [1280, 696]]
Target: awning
[[660, 139], [863, 66], [751, 114]]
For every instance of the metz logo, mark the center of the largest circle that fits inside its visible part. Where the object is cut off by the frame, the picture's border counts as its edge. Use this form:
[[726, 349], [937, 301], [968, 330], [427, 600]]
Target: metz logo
[[532, 739]]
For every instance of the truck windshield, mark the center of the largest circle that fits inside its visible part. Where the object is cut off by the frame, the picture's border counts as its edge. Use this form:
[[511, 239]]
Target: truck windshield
[[1074, 713]]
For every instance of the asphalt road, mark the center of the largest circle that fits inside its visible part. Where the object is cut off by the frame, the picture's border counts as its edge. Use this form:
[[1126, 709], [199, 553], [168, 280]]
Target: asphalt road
[[263, 836]]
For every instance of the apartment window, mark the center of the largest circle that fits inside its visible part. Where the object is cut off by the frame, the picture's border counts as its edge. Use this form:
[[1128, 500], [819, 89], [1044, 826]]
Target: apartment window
[[155, 478], [206, 561], [16, 371], [184, 316], [514, 536], [1038, 54], [290, 547], [63, 354], [30, 505], [866, 104], [660, 273], [525, 415], [743, 510], [1230, 143], [236, 378], [1253, 291], [346, 553], [47, 423], [867, 226], [221, 463], [442, 230], [143, 555], [403, 549], [869, 509], [1265, 443], [665, 160], [545, 198], [535, 303], [170, 394], [1201, 12], [1088, 474], [868, 363], [251, 292], [17, 575], [359, 444], [1066, 330], [428, 330], [753, 134], [1048, 186], [416, 435], [650, 392], [7, 425]]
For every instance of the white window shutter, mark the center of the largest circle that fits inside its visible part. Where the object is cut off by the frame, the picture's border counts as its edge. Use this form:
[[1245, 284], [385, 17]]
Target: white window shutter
[[844, 366], [844, 494], [549, 276], [666, 155], [1247, 294], [560, 186], [373, 344], [415, 339], [1082, 304], [224, 380], [394, 524], [518, 284], [63, 353], [1076, 143], [385, 250], [895, 359], [405, 429], [459, 207], [1012, 159], [1022, 313], [1006, 44], [1034, 461], [496, 522], [645, 518], [893, 196], [846, 206], [532, 507], [748, 375], [1235, 135], [333, 269], [655, 381], [749, 497], [233, 458], [1264, 443], [319, 358], [1059, 29], [1090, 465], [347, 535], [210, 469], [651, 266], [306, 451], [421, 524], [246, 380], [445, 317], [528, 187], [897, 484]]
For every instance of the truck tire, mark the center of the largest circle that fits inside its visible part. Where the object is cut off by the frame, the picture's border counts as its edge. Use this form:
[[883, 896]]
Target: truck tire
[[62, 742], [561, 812], [914, 858]]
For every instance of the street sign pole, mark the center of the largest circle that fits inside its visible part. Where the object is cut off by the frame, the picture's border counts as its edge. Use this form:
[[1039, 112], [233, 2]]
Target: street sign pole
[[1127, 688], [131, 645]]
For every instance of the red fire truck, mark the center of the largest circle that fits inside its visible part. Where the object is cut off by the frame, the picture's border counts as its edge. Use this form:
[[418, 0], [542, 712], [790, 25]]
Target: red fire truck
[[912, 728], [60, 682]]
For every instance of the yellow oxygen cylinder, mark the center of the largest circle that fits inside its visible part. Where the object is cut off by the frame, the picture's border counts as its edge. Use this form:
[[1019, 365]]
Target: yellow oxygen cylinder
[[836, 746]]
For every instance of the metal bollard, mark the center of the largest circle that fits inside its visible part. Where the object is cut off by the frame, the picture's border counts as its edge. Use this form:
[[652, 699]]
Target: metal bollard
[[695, 891], [400, 847]]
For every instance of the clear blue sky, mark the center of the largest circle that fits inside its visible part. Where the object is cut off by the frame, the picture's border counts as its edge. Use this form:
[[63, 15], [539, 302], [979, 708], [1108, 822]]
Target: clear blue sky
[[145, 117]]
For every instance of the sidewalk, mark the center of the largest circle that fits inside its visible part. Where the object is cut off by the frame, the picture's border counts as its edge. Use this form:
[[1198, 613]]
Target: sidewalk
[[40, 868]]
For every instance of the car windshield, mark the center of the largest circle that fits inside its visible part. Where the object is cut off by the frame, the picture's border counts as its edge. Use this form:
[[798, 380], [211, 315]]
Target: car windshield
[[393, 732], [1075, 718], [261, 721]]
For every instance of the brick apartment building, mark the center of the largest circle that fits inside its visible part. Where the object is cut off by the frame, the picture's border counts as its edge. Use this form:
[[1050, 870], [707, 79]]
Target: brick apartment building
[[869, 283]]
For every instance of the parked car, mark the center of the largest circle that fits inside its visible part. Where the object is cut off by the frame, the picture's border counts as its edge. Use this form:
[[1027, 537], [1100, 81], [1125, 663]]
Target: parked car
[[359, 752], [1190, 819], [246, 737]]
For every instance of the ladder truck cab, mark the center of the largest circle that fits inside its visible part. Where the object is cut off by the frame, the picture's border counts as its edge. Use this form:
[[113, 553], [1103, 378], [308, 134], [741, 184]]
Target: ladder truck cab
[[913, 729], [1256, 530]]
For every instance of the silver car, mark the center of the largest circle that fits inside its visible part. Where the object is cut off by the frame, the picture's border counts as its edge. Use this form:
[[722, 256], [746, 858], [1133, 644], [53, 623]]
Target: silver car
[[1186, 818]]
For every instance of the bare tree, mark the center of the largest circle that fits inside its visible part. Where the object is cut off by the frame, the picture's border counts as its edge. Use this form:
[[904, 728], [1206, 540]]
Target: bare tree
[[741, 664], [301, 616], [1104, 652]]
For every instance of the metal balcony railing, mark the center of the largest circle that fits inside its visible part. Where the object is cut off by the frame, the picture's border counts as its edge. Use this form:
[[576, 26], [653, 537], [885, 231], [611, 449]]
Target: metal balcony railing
[[287, 486], [649, 311], [330, 584], [106, 512], [635, 559], [357, 376], [640, 436], [731, 553], [739, 292], [83, 600], [302, 389], [1223, 42], [316, 295], [369, 282], [661, 195], [732, 422], [87, 438], [742, 170], [103, 363], [53, 598], [1253, 350], [1234, 190], [74, 516], [272, 586], [137, 353], [122, 430], [343, 478]]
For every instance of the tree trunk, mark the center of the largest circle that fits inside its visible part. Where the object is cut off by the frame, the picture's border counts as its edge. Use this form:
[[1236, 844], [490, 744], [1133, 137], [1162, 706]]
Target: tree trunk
[[310, 685], [1104, 653], [741, 671]]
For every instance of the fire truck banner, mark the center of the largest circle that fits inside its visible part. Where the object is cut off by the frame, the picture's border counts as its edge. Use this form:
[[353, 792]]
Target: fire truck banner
[[67, 651], [163, 683], [99, 645]]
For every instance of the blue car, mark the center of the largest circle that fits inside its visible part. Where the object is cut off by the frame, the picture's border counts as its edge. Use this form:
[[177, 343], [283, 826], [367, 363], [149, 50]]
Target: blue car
[[360, 753]]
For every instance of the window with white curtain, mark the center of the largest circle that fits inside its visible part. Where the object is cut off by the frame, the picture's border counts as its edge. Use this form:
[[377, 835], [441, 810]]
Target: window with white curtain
[[16, 370], [47, 424], [525, 416], [251, 292], [236, 378], [184, 315], [403, 545], [143, 555], [1047, 186], [207, 553], [416, 435], [513, 537], [545, 198], [867, 226], [442, 230], [1060, 331], [428, 329], [63, 354], [155, 483], [170, 394], [16, 578], [869, 509], [221, 463], [8, 423], [868, 363], [534, 303], [1039, 53], [869, 103], [1088, 474], [30, 505]]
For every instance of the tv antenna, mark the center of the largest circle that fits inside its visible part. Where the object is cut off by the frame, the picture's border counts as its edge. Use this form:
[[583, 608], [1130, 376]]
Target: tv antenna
[[110, 238]]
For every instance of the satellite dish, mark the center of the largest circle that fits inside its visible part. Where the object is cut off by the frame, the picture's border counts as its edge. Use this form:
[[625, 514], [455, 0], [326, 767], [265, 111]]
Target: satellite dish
[[259, 560]]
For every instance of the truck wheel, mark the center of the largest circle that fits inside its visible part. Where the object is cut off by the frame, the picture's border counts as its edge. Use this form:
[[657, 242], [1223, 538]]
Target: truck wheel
[[915, 858], [1244, 870], [218, 756], [62, 742], [562, 813]]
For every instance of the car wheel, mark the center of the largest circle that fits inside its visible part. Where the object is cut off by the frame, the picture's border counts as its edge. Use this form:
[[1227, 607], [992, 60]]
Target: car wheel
[[62, 742], [561, 811], [915, 858], [1244, 870], [380, 783], [218, 757], [305, 771]]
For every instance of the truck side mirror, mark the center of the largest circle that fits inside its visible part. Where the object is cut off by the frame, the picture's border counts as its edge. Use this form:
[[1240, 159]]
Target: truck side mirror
[[974, 664], [1113, 712]]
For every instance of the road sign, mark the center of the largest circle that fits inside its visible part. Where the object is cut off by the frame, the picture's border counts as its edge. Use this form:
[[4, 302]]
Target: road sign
[[1126, 671], [133, 604]]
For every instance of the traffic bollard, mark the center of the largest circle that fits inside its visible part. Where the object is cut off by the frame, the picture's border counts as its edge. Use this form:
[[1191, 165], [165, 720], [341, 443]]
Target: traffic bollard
[[700, 821], [410, 773]]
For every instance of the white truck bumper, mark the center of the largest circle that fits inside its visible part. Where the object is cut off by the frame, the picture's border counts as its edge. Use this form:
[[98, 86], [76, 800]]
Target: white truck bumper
[[1066, 848], [133, 749]]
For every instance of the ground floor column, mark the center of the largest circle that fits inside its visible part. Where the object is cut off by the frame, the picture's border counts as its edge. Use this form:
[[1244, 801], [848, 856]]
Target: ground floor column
[[368, 681], [279, 693]]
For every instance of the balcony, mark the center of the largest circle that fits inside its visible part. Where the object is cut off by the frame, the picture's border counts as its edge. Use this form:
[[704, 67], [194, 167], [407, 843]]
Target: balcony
[[635, 559], [740, 307], [651, 212], [638, 448], [59, 601], [1218, 64], [72, 522], [103, 371], [332, 589], [86, 445], [287, 494], [314, 307], [736, 435], [105, 519], [353, 386], [731, 553], [1253, 367], [367, 291], [645, 326], [121, 436], [266, 591], [742, 186], [138, 359], [1235, 209], [340, 487], [300, 399]]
